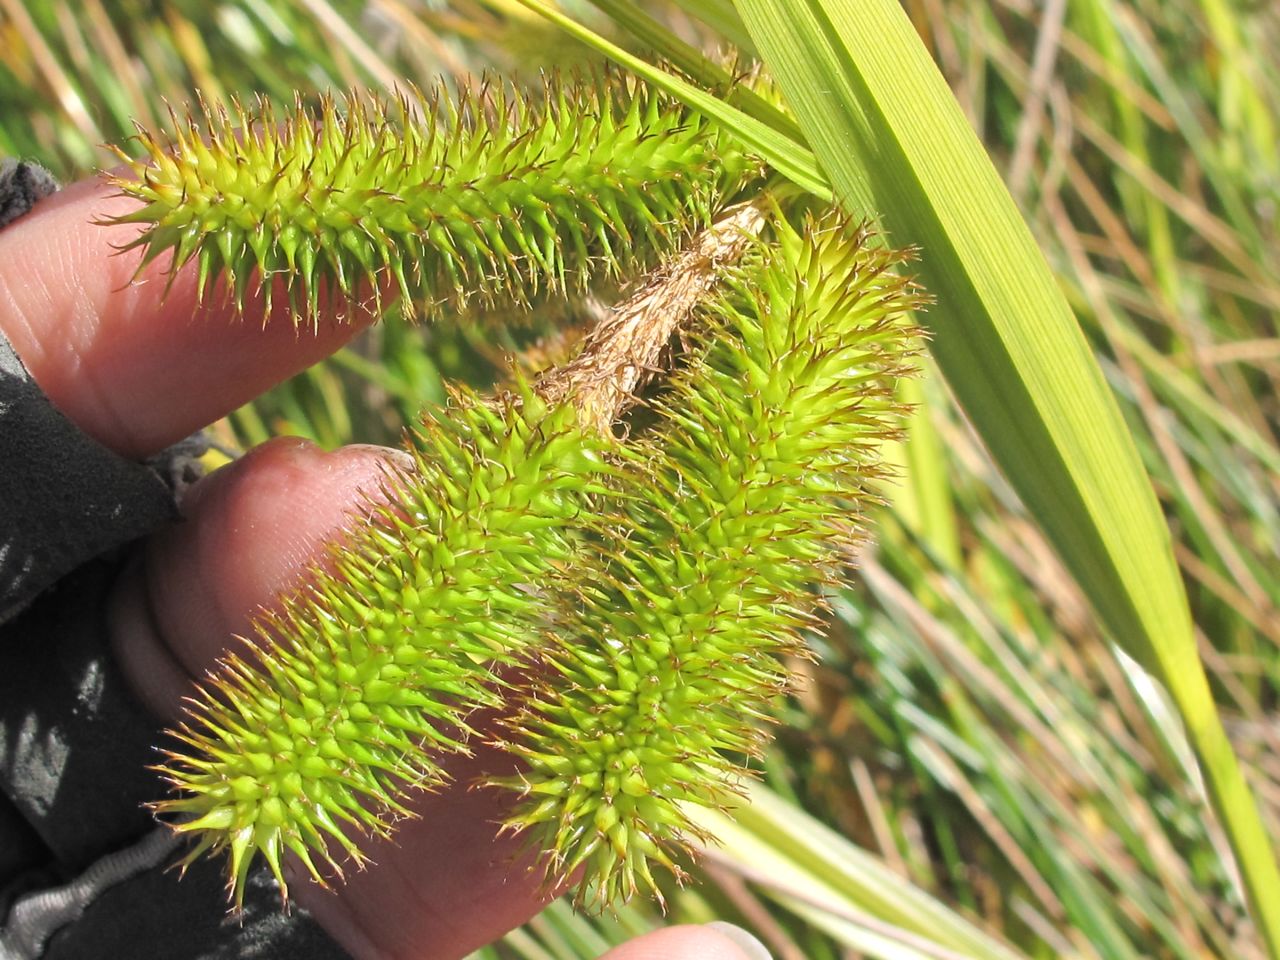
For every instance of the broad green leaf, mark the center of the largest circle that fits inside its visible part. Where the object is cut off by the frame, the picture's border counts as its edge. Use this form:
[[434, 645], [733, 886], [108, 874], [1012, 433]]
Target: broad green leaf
[[894, 142]]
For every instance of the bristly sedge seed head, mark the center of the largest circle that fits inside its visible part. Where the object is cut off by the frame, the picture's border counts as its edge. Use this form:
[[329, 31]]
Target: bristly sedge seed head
[[735, 510], [674, 576], [365, 678], [498, 196]]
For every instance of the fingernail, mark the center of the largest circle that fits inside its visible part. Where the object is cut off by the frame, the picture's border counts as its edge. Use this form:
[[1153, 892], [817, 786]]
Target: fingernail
[[745, 942], [398, 458], [277, 449]]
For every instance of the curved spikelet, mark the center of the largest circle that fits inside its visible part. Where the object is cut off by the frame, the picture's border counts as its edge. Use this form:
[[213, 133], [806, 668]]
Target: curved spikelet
[[367, 676], [495, 196], [743, 501]]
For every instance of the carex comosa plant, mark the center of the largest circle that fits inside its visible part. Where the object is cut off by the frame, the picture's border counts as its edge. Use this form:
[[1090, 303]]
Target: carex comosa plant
[[622, 554]]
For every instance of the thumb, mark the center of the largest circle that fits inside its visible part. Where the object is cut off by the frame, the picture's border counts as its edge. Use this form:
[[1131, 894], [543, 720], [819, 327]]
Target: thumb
[[715, 941]]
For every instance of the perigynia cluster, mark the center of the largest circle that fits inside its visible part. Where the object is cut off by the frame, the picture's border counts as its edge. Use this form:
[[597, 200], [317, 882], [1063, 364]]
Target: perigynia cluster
[[496, 195]]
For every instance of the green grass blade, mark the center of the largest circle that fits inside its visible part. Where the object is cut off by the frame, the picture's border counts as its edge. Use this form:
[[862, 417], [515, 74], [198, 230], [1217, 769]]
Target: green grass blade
[[919, 489], [792, 160], [694, 65], [721, 16], [893, 141], [801, 861]]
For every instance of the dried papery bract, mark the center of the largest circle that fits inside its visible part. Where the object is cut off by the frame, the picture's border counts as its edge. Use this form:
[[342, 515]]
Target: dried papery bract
[[498, 197]]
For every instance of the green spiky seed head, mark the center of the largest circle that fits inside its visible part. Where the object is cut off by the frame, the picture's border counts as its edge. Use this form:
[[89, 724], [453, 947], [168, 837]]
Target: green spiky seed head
[[729, 516], [363, 680], [497, 196], [652, 592]]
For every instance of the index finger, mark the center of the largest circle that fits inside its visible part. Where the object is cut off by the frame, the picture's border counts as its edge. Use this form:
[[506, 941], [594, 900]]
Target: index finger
[[135, 367]]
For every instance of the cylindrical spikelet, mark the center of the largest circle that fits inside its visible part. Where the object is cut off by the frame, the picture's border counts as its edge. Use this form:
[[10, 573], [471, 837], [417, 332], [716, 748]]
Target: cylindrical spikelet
[[734, 511], [497, 196], [363, 679]]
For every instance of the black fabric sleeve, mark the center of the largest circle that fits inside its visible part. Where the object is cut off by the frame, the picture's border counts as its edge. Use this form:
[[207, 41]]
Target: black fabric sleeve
[[64, 498], [74, 755]]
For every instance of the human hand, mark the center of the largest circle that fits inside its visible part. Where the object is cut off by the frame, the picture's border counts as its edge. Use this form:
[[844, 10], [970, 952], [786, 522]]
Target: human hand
[[138, 371]]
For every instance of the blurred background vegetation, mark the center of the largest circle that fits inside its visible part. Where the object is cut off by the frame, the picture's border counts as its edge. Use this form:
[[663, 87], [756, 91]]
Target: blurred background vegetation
[[969, 769]]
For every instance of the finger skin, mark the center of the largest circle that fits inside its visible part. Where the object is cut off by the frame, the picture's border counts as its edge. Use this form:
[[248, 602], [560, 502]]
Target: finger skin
[[137, 368], [249, 533], [447, 883], [678, 943]]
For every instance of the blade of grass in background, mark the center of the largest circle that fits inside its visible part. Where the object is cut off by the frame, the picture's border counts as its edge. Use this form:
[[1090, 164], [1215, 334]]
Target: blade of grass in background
[[780, 151], [844, 889], [694, 64], [722, 17]]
